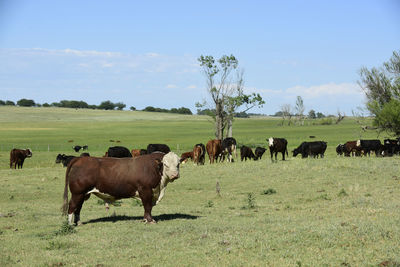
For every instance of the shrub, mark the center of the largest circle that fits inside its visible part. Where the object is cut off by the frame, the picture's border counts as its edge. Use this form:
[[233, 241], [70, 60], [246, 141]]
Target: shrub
[[269, 191]]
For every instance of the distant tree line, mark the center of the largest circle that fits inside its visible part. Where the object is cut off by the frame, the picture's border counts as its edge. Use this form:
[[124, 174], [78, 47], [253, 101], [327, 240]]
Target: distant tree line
[[105, 105]]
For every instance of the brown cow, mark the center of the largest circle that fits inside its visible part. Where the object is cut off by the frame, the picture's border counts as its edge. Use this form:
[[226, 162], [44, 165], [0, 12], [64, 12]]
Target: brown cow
[[17, 157], [199, 154], [214, 149], [351, 147], [138, 152], [186, 156], [110, 179]]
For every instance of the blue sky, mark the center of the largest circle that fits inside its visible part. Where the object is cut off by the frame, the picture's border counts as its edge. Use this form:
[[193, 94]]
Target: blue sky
[[145, 53]]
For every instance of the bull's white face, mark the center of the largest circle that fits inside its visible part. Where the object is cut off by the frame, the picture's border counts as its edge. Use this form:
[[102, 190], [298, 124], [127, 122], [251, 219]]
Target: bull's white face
[[171, 166], [29, 153], [271, 141]]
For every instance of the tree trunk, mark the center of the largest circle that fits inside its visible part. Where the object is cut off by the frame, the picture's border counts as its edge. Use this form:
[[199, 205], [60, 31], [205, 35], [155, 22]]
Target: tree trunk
[[230, 126], [219, 124]]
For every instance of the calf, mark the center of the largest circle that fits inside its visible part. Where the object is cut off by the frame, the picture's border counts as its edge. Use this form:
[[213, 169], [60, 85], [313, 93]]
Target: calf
[[111, 179], [340, 149], [18, 156], [64, 159], [277, 145], [186, 156], [259, 152], [246, 153]]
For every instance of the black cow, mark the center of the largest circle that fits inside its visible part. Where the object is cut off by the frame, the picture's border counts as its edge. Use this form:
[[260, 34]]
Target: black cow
[[85, 147], [85, 154], [158, 147], [390, 147], [277, 145], [370, 145], [246, 152], [118, 152], [76, 148], [312, 149], [228, 148], [64, 159], [259, 152], [340, 149]]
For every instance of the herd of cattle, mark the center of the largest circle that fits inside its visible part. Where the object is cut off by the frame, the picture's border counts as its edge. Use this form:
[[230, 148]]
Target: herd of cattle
[[145, 173]]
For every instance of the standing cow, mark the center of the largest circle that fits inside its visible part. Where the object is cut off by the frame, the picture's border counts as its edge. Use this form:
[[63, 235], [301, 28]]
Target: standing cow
[[110, 179], [228, 148], [199, 154], [277, 145], [158, 148], [312, 149], [214, 149], [246, 153], [259, 152], [118, 152], [18, 156], [370, 145]]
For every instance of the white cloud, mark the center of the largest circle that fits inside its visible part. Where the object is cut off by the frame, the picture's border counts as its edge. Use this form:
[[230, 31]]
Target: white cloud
[[171, 86], [330, 89]]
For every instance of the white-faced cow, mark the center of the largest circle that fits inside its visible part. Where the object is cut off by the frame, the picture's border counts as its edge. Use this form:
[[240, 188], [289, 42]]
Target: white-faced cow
[[110, 179], [18, 156], [228, 148], [277, 145]]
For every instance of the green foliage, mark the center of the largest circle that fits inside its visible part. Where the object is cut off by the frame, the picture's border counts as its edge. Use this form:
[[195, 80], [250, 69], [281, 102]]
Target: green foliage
[[181, 110], [326, 121], [210, 204], [132, 108], [269, 191], [26, 102], [10, 103], [137, 202], [312, 114], [342, 193], [250, 201], [2, 103], [66, 229], [387, 117]]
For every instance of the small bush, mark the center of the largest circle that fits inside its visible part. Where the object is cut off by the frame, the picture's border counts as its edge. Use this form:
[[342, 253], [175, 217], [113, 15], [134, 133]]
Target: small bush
[[66, 229], [269, 191], [342, 193], [251, 201], [326, 121]]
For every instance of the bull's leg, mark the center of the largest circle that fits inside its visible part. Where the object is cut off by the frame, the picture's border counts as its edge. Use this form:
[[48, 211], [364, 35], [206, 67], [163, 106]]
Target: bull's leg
[[283, 155], [272, 154], [75, 206], [147, 199]]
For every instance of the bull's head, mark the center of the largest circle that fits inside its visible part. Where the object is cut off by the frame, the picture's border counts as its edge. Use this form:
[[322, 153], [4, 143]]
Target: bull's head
[[171, 164], [28, 153]]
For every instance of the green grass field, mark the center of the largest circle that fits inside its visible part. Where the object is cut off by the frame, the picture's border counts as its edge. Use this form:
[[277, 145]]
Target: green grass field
[[300, 212]]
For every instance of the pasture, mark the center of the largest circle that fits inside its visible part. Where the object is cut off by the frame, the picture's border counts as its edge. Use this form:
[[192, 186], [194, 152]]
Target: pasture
[[299, 212]]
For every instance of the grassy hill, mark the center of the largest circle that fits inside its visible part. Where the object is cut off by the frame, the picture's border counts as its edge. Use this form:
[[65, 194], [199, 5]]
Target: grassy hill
[[300, 212]]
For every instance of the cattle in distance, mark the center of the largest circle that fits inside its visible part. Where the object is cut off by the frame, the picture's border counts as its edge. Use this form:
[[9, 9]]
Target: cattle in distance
[[158, 148], [277, 145], [64, 159], [259, 152], [118, 152], [214, 150], [370, 145], [77, 148], [111, 179], [186, 156], [247, 153], [199, 154], [18, 156]]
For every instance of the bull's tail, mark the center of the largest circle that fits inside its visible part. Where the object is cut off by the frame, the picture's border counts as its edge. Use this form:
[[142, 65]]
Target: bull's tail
[[287, 154], [65, 204]]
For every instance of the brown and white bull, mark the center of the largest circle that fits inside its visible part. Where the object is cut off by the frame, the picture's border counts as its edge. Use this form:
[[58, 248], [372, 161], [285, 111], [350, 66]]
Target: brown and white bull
[[110, 179], [18, 156]]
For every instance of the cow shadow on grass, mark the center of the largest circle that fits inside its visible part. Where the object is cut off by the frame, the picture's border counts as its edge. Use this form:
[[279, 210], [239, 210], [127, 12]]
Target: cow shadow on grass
[[158, 218]]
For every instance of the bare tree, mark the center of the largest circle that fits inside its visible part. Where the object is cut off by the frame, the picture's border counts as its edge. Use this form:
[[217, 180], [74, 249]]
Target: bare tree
[[287, 113], [340, 117], [299, 108]]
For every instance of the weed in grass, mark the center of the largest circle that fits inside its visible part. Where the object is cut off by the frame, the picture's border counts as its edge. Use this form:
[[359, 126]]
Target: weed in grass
[[56, 245], [136, 202], [342, 193], [250, 202], [210, 204], [323, 197], [269, 191], [368, 195], [11, 197], [66, 229]]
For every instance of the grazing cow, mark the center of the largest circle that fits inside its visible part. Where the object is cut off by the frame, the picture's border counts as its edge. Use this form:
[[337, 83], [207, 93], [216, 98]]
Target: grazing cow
[[277, 145], [18, 156], [214, 149], [312, 149], [85, 147], [259, 152], [246, 152], [158, 147], [84, 154], [228, 148], [351, 148], [390, 147], [340, 149], [110, 179], [186, 156], [199, 154], [370, 145], [76, 148], [64, 159], [118, 152]]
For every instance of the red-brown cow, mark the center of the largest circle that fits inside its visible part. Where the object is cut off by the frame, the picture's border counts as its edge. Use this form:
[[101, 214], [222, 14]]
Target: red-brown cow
[[351, 147], [214, 149], [186, 156], [110, 179], [18, 156]]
